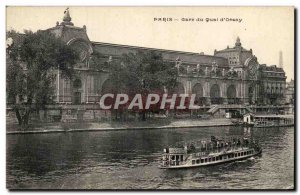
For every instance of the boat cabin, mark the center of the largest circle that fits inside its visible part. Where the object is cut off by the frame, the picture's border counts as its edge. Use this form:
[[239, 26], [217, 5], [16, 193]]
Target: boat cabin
[[268, 120]]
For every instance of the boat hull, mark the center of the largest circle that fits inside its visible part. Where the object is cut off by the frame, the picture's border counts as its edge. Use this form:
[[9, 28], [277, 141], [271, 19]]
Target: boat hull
[[211, 163], [267, 126]]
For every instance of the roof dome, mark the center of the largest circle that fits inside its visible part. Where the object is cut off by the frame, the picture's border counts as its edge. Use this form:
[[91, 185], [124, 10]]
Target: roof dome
[[67, 18], [238, 42]]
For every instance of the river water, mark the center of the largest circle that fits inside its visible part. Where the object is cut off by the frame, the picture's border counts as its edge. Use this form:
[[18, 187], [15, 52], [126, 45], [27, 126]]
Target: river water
[[129, 160]]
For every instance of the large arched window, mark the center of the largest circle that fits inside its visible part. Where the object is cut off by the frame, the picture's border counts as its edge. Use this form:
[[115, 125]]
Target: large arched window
[[231, 94], [107, 87], [198, 90], [215, 91], [250, 95], [215, 94], [77, 84]]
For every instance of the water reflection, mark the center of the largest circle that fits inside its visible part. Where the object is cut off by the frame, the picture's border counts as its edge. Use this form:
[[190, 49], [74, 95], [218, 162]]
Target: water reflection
[[129, 159]]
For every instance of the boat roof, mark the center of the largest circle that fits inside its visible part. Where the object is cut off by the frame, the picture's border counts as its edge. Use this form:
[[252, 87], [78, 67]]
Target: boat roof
[[273, 116]]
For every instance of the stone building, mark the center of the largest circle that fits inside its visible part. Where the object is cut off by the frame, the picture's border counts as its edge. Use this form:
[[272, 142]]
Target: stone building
[[230, 76], [272, 84], [290, 92]]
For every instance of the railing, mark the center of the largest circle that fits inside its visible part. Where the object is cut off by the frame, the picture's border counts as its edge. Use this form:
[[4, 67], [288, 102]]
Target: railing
[[215, 108]]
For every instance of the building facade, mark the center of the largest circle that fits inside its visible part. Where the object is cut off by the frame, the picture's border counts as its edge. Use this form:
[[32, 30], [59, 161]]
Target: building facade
[[290, 92], [230, 76]]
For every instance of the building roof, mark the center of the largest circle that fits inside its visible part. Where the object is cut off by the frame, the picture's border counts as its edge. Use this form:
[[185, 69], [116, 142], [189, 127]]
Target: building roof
[[274, 68], [171, 55], [232, 49], [273, 116], [237, 47]]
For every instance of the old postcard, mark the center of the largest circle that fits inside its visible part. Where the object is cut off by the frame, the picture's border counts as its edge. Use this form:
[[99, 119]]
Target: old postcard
[[157, 98]]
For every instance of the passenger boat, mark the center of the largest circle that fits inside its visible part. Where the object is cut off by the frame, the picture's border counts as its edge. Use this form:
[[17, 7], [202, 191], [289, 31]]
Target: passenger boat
[[212, 152], [268, 120], [273, 120]]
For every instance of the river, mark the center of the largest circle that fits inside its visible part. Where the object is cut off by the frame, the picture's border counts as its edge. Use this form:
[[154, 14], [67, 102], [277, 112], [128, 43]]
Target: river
[[129, 160]]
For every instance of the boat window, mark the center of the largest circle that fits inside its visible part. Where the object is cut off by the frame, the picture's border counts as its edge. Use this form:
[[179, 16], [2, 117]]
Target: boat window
[[173, 157], [235, 155], [239, 154], [214, 159], [202, 160], [177, 157], [209, 159], [198, 161], [181, 157], [206, 160], [217, 158], [193, 162]]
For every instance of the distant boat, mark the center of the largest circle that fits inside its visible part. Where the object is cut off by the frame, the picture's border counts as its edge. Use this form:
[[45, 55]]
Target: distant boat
[[269, 120], [213, 152]]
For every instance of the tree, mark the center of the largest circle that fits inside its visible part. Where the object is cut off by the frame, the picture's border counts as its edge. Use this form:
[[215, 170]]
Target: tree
[[143, 73], [32, 59], [151, 73]]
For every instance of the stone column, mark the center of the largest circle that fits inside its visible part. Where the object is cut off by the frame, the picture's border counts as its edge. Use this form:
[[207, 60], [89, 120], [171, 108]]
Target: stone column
[[224, 94], [57, 89], [188, 87], [84, 90], [207, 92]]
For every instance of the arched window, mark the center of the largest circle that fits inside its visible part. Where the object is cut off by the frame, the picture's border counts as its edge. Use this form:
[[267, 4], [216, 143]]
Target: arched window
[[215, 94], [198, 90], [77, 84], [231, 94]]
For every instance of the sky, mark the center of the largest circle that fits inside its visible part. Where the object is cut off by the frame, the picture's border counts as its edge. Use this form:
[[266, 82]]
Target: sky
[[266, 30]]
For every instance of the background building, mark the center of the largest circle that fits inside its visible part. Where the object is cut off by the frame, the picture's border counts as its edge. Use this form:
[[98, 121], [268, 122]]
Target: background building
[[290, 92]]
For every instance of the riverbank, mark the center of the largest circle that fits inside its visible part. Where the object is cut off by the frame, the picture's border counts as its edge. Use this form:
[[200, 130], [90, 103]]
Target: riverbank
[[109, 126]]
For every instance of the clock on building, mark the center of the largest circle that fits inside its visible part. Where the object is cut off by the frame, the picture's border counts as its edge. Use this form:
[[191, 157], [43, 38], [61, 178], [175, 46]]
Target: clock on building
[[252, 67]]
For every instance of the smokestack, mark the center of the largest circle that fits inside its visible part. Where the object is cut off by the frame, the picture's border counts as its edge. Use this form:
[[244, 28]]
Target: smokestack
[[280, 60]]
